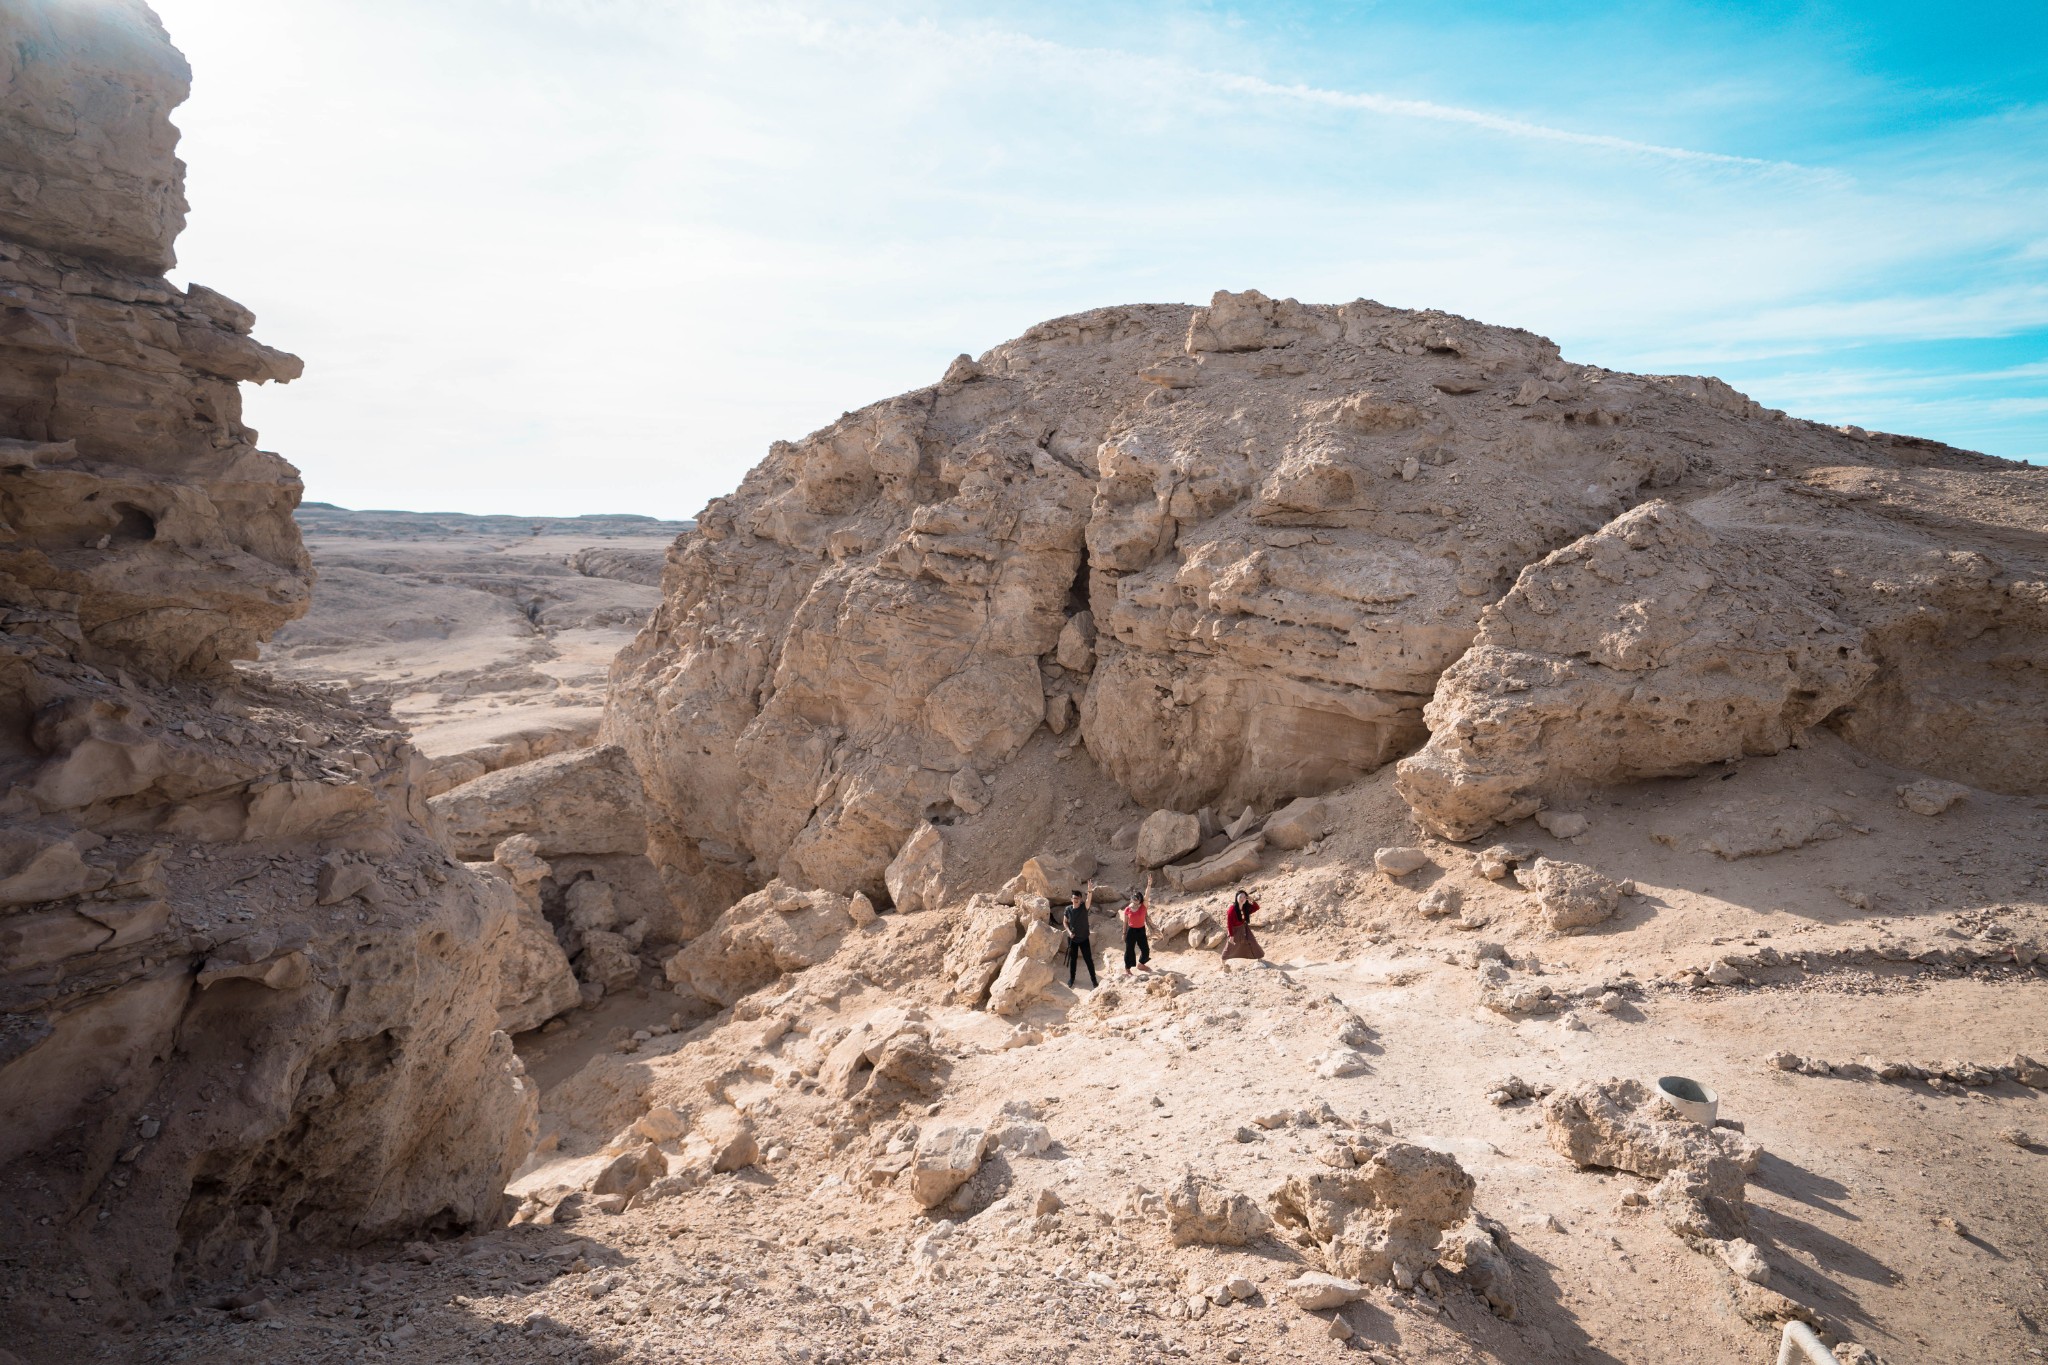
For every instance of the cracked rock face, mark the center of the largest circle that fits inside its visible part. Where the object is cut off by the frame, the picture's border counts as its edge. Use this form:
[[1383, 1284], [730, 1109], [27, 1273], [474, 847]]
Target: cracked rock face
[[1244, 543], [246, 998]]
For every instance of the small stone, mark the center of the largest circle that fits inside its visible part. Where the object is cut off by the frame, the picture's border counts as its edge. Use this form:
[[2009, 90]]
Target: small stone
[[1316, 1291], [1048, 1202], [1440, 900], [1930, 796], [1340, 1330], [1399, 862], [1742, 1257], [1240, 1288], [1562, 824]]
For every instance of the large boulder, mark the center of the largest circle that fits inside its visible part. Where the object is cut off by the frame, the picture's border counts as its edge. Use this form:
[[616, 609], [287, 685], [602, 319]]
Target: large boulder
[[777, 929], [585, 801], [535, 982], [1648, 649], [979, 947], [916, 876], [1235, 863], [1027, 971], [1297, 824], [1166, 835], [946, 1156], [1624, 1125], [1053, 876], [1382, 1220]]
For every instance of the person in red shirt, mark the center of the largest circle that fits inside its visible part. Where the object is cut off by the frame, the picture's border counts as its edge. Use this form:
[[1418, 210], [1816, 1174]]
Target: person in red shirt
[[1239, 941], [1137, 950]]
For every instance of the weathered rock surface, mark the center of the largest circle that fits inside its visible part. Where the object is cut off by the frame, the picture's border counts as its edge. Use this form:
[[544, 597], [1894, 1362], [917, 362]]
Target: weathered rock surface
[[585, 801], [1198, 1210], [1166, 835], [1649, 648], [1570, 896], [250, 1001], [1280, 544], [1381, 1221], [1679, 636], [1623, 1125], [775, 930]]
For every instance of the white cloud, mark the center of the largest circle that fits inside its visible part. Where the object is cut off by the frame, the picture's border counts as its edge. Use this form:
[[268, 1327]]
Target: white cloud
[[593, 255]]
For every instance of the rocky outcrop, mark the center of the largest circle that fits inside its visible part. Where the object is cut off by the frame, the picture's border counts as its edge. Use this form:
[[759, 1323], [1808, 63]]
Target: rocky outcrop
[[1248, 540], [1676, 637], [775, 930], [248, 999], [582, 814], [1648, 649]]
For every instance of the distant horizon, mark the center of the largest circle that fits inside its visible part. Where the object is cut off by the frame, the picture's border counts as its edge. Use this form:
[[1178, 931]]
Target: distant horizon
[[509, 516], [587, 254]]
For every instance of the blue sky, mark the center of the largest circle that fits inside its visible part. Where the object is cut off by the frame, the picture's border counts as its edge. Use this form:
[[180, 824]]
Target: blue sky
[[594, 255]]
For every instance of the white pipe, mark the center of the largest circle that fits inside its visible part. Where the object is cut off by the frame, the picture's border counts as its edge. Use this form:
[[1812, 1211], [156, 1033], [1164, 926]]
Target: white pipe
[[1800, 1344]]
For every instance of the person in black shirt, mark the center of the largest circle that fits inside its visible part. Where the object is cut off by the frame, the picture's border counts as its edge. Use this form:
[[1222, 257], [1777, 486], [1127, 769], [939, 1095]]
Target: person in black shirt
[[1079, 949]]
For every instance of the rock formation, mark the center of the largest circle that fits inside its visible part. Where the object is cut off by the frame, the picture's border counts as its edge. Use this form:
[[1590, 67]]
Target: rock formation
[[1261, 548], [249, 1000]]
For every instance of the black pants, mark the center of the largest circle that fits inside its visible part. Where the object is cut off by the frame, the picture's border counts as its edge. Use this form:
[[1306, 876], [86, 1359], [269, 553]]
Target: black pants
[[1137, 948], [1080, 950]]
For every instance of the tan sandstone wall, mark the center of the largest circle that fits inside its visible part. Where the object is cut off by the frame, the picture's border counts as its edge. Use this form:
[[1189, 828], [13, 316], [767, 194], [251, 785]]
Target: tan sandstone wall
[[245, 996], [1239, 546]]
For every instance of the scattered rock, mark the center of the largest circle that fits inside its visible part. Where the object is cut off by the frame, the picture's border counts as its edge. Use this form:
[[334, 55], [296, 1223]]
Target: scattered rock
[[1624, 1125], [946, 1157], [1316, 1291], [1498, 860], [1167, 835], [1571, 896], [1399, 862], [1381, 1220], [1563, 824], [1440, 900], [1198, 1210], [1930, 796]]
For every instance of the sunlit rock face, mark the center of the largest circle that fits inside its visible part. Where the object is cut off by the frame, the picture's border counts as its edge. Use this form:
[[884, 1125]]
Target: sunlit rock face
[[1238, 547], [247, 996]]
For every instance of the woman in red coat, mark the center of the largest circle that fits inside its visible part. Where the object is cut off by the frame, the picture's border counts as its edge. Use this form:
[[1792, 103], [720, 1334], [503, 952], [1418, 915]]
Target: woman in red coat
[[1239, 941]]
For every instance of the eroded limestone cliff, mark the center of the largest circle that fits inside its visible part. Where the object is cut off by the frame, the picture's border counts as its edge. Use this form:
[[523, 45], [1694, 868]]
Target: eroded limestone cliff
[[1240, 546], [249, 998]]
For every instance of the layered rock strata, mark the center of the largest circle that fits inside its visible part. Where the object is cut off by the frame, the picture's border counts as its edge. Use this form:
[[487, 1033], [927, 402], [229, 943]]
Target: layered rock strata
[[1239, 546], [248, 998]]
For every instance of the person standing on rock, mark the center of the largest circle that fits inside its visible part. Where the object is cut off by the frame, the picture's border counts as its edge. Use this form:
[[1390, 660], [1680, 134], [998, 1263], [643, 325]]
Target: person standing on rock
[[1238, 939], [1079, 949], [1137, 950]]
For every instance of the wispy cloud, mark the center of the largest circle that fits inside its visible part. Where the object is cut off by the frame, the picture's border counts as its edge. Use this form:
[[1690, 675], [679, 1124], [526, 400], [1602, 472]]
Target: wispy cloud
[[1493, 123], [594, 253]]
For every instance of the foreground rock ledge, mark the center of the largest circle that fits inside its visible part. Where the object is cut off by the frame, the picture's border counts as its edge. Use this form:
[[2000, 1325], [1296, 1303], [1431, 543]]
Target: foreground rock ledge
[[249, 1001]]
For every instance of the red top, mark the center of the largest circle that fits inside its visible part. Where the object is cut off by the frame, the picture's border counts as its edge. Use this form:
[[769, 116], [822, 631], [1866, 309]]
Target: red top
[[1134, 915], [1234, 921]]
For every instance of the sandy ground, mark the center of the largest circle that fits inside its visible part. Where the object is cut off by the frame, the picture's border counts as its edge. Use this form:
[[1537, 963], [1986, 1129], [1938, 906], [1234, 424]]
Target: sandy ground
[[488, 635], [1895, 1212]]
